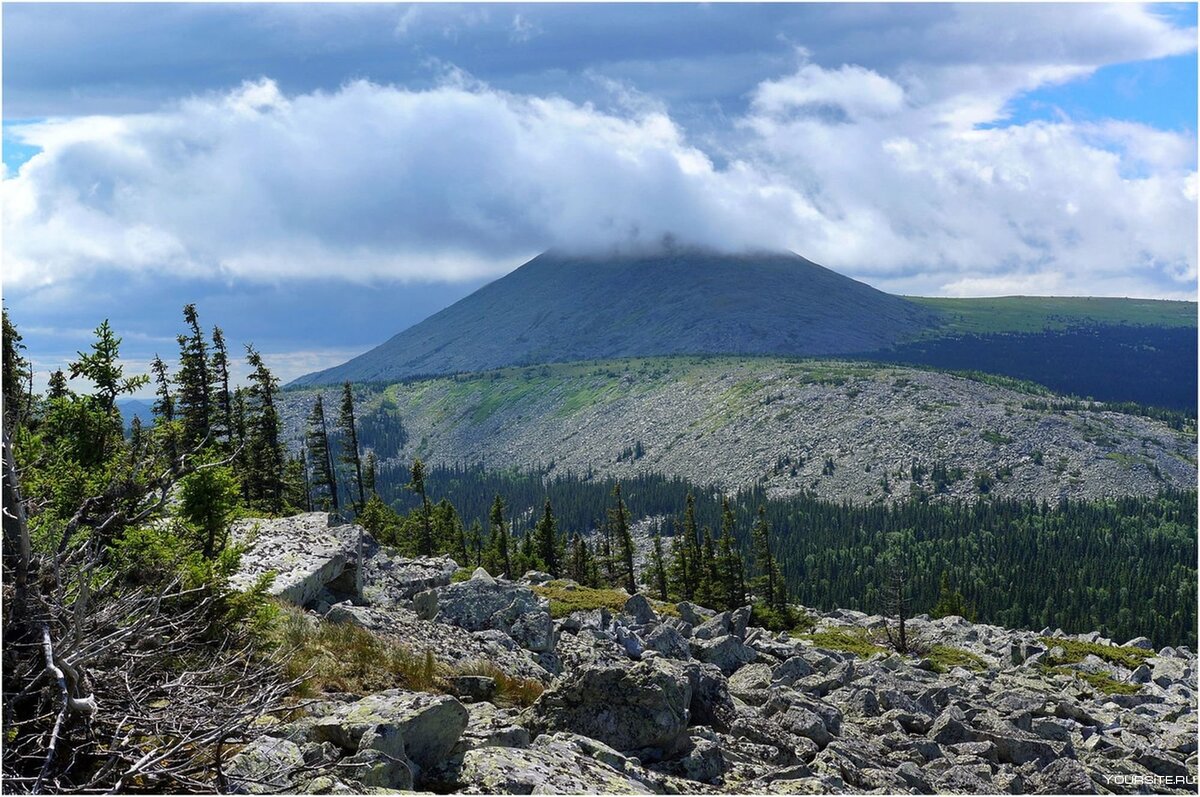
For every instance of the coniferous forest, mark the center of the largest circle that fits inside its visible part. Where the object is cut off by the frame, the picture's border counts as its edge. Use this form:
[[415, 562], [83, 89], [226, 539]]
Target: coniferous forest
[[1123, 566]]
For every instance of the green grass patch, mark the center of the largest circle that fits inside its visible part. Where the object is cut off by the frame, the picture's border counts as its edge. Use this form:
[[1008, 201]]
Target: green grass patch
[[510, 690], [565, 598], [846, 640], [342, 657], [945, 658], [1097, 680], [1076, 651], [461, 574]]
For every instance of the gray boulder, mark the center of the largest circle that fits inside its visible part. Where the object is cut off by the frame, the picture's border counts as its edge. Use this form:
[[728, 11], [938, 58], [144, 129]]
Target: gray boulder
[[639, 608], [265, 766], [716, 626], [489, 726], [420, 726], [552, 766], [629, 707], [727, 652], [390, 580], [669, 642]]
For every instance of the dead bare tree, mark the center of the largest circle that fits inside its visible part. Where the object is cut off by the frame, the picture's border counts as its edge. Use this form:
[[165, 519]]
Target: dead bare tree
[[896, 605], [110, 686]]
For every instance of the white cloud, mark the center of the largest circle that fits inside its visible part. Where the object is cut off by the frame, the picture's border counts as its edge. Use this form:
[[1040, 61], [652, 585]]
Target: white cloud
[[881, 171]]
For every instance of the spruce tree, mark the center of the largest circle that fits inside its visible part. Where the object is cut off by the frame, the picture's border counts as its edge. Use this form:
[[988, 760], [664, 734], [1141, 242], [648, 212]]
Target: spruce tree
[[417, 485], [580, 568], [320, 457], [350, 456], [474, 546], [194, 380], [57, 387], [765, 584], [546, 541], [732, 590], [16, 403], [708, 578], [502, 558], [679, 571], [224, 399], [691, 539], [102, 368], [266, 461], [370, 469], [619, 519]]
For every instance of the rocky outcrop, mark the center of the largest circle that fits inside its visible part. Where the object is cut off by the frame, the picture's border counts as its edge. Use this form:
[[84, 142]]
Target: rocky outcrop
[[306, 553]]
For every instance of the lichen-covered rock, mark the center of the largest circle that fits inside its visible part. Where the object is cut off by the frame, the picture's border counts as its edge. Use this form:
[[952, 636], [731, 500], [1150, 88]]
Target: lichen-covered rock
[[422, 726], [489, 726], [304, 551], [390, 580], [265, 766], [628, 707], [551, 767]]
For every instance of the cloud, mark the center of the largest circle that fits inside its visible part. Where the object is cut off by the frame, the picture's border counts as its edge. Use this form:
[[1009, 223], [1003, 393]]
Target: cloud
[[901, 170]]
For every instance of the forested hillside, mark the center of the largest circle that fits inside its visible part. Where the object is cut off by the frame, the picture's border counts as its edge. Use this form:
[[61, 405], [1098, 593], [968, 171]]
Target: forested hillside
[[1124, 566]]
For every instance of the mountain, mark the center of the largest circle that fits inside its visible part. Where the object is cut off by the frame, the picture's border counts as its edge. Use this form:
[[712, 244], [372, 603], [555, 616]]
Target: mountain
[[561, 308], [849, 431], [131, 408]]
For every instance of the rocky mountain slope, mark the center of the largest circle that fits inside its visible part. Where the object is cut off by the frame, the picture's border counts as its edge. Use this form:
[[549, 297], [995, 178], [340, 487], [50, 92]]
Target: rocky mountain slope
[[843, 431], [644, 697], [559, 308]]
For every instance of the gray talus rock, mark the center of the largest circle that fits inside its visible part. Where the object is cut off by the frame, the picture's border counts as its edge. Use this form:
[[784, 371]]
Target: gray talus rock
[[750, 683], [550, 766], [420, 726], [716, 626], [640, 610], [628, 707], [668, 641], [489, 726], [265, 766], [727, 652]]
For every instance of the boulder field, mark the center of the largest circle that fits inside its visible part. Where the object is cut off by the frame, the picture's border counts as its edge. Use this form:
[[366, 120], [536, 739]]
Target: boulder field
[[675, 698]]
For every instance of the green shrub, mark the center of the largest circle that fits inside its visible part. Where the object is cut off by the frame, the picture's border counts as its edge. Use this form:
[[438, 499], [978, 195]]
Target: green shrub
[[1097, 680], [565, 598], [789, 619]]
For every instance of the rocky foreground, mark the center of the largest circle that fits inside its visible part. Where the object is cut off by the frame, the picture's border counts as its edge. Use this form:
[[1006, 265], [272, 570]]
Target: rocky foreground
[[674, 698]]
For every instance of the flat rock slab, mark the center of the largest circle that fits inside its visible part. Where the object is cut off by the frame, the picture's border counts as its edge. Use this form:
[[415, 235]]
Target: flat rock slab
[[303, 551]]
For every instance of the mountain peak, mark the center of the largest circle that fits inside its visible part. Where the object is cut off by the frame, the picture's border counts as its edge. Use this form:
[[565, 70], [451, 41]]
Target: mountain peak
[[671, 299]]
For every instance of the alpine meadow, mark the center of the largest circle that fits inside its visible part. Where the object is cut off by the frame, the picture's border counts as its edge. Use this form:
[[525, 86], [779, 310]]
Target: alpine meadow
[[600, 398]]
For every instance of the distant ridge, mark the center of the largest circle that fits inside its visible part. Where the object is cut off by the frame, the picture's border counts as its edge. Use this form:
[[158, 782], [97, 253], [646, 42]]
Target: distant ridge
[[560, 308]]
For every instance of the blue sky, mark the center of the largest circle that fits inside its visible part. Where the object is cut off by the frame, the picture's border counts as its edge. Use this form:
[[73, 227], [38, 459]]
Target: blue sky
[[318, 177]]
